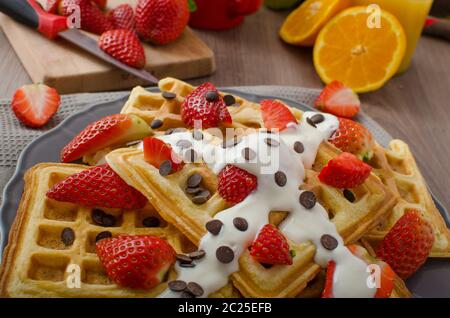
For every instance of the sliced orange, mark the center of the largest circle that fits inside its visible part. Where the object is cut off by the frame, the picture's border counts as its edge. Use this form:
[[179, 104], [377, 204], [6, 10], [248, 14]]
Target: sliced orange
[[304, 24], [362, 58]]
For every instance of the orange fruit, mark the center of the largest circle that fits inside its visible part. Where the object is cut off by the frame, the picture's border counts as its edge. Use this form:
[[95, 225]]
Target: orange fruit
[[363, 58], [304, 23]]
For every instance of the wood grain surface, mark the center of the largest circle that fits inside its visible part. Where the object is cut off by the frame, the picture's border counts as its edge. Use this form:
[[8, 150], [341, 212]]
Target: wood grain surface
[[414, 107]]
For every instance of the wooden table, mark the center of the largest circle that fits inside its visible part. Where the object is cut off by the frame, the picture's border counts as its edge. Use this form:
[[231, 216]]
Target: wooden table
[[414, 107]]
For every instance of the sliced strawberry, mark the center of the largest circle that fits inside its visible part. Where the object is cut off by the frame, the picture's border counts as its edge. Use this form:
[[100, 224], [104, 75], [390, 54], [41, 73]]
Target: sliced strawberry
[[122, 17], [101, 3], [271, 247], [276, 115], [339, 100], [109, 131], [206, 106], [328, 290], [236, 184], [157, 151], [51, 6], [345, 171], [35, 104], [408, 244], [97, 187], [136, 261]]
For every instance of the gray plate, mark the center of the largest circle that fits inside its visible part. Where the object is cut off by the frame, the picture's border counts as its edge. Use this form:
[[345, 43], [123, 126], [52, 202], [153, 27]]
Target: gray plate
[[433, 279]]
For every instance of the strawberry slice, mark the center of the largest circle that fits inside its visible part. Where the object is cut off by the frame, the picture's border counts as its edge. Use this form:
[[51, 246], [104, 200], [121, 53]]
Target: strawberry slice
[[157, 151], [328, 290], [97, 187], [235, 184], [35, 104], [109, 131], [51, 6], [122, 17], [345, 171], [339, 100], [271, 247], [276, 115]]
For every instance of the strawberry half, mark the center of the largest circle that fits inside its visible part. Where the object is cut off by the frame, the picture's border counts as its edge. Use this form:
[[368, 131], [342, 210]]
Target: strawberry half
[[97, 187], [407, 245], [354, 138], [206, 105], [235, 184], [122, 17], [276, 115], [339, 100], [109, 131], [328, 290], [123, 45], [345, 171], [136, 261], [271, 247], [157, 151], [35, 104]]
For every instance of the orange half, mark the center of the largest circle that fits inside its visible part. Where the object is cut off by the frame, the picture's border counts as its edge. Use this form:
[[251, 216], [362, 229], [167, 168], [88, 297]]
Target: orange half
[[363, 58]]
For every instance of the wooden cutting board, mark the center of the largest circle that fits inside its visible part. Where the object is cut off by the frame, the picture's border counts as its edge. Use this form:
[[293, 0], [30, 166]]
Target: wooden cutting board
[[71, 70]]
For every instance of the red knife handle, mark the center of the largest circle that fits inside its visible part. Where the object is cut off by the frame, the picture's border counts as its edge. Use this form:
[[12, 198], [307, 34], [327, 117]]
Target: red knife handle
[[30, 13]]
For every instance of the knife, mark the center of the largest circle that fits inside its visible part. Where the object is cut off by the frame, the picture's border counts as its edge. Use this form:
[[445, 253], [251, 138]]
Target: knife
[[31, 14]]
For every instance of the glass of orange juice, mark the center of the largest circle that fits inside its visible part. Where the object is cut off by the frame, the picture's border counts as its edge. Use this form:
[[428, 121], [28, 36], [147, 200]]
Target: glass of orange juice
[[411, 14]]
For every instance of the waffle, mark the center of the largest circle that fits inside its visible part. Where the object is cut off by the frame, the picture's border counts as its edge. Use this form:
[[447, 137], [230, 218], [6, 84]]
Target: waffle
[[398, 170], [36, 260]]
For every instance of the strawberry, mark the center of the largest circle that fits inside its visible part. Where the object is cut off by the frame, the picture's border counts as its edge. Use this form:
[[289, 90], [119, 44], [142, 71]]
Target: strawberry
[[407, 245], [100, 3], [92, 18], [124, 46], [136, 261], [206, 105], [35, 104], [345, 171], [354, 138], [276, 115], [97, 187], [328, 290], [235, 184], [109, 131], [271, 247], [161, 21], [339, 100], [157, 151], [122, 17], [51, 6]]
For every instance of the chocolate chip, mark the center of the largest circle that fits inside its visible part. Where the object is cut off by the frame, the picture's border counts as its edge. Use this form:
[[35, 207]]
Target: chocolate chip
[[103, 235], [211, 96], [308, 199], [225, 254], [248, 154], [185, 294], [197, 254], [156, 123], [197, 134], [177, 285], [195, 289], [151, 221], [328, 242], [67, 236], [309, 121], [271, 142], [194, 180], [169, 131], [189, 265], [183, 259], [165, 168], [317, 119], [241, 224], [194, 191], [349, 195], [183, 143], [280, 178], [298, 147], [202, 197], [214, 226], [108, 220], [97, 216], [231, 142], [229, 100], [169, 95], [190, 156]]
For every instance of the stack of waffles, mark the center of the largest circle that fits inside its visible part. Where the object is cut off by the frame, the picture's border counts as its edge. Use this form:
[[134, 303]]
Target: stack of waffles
[[37, 263]]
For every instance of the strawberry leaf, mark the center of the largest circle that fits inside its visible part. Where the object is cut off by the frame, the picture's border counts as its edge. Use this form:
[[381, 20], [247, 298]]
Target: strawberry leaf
[[192, 6]]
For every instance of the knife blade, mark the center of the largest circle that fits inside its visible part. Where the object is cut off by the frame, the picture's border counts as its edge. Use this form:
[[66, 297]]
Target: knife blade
[[31, 14]]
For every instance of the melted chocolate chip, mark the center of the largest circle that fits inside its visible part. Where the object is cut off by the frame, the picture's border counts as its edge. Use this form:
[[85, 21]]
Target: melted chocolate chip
[[67, 236], [229, 100], [309, 121], [225, 254], [156, 123], [211, 96], [165, 168], [308, 199], [97, 216], [195, 289], [317, 119], [280, 178], [108, 220], [240, 223], [328, 242], [183, 259], [299, 147], [214, 226], [177, 285], [197, 254], [349, 195], [169, 95], [103, 235], [190, 265], [194, 180], [185, 294], [202, 197], [151, 221], [194, 191]]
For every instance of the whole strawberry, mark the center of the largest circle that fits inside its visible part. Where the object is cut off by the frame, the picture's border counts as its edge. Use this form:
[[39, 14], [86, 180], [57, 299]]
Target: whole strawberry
[[97, 187], [124, 46], [205, 105], [122, 17], [407, 245], [354, 138], [161, 21], [136, 261], [235, 184], [271, 247]]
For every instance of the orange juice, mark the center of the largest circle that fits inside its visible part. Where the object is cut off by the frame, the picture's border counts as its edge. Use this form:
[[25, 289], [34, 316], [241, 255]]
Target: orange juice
[[411, 14]]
